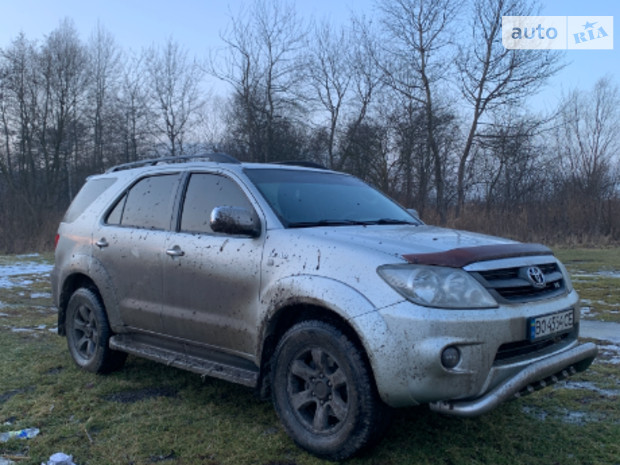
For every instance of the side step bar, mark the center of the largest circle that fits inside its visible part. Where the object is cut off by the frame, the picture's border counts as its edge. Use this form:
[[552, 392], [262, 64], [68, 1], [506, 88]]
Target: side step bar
[[532, 378], [184, 361]]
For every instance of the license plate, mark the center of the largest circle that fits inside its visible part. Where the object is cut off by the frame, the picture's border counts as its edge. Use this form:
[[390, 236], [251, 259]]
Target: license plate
[[548, 325]]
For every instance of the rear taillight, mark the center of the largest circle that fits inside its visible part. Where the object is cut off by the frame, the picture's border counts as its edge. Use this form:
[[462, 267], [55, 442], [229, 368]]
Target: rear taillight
[[56, 241]]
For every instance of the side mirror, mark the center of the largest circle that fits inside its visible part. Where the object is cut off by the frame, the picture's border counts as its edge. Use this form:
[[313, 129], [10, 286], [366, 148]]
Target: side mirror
[[235, 221]]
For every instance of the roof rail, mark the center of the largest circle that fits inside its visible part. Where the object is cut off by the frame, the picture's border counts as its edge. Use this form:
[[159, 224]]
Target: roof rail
[[303, 163], [216, 157]]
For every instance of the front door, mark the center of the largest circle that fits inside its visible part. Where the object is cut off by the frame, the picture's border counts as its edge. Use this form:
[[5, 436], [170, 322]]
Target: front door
[[211, 280]]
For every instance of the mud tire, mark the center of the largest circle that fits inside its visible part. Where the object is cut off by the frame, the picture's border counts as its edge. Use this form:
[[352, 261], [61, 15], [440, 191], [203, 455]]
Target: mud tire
[[323, 392], [88, 334]]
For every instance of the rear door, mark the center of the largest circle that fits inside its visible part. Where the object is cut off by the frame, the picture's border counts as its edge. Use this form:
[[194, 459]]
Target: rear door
[[211, 280], [130, 246]]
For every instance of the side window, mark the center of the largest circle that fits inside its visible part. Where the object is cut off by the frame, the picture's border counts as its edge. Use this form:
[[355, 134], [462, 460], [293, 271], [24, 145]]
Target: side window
[[204, 193], [115, 216], [87, 195], [148, 204]]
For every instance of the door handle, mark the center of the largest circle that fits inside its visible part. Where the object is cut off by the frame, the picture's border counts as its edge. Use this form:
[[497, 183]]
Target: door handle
[[101, 243], [175, 251]]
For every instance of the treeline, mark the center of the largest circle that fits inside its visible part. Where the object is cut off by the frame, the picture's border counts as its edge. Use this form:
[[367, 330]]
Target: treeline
[[424, 102]]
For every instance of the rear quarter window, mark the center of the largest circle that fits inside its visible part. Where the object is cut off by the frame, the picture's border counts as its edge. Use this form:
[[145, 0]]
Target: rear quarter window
[[87, 195]]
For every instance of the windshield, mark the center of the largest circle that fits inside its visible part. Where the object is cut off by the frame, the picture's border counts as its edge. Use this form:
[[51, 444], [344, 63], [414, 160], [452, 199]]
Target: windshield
[[303, 198]]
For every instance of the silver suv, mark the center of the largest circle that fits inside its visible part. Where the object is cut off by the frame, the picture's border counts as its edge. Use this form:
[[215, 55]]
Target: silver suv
[[310, 286]]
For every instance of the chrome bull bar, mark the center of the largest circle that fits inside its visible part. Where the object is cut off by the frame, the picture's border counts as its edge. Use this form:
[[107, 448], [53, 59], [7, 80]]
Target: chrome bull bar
[[532, 378]]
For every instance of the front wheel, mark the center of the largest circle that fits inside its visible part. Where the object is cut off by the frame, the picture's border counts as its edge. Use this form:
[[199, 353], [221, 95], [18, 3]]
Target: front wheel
[[323, 392], [88, 334]]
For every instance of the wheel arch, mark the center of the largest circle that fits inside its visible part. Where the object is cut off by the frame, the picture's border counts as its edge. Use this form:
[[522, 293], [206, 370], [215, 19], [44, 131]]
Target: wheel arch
[[91, 274], [292, 313], [71, 284]]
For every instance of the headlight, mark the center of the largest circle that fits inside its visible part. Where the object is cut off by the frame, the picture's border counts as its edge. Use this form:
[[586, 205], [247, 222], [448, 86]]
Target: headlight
[[434, 286]]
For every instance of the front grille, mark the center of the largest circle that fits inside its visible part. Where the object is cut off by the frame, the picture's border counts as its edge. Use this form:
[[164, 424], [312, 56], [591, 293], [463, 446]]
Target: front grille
[[512, 285]]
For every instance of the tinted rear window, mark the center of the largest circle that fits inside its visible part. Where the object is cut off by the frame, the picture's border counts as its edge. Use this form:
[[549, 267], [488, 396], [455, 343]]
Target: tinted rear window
[[148, 204], [87, 195]]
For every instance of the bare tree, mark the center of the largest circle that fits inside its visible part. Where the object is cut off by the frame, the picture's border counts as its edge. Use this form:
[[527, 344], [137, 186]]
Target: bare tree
[[588, 141], [211, 123], [41, 90], [367, 82], [63, 63], [415, 158], [492, 76], [135, 112], [512, 168], [330, 73], [18, 111], [419, 35], [369, 157], [589, 137], [262, 64], [103, 74], [174, 82]]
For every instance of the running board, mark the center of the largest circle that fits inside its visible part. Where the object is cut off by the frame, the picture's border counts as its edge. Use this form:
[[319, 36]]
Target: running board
[[202, 366]]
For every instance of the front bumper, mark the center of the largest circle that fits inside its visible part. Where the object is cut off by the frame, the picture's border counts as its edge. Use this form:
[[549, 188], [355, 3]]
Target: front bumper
[[535, 376], [405, 344]]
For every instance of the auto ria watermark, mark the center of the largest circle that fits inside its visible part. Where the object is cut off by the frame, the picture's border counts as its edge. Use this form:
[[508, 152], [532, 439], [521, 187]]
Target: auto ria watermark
[[558, 32]]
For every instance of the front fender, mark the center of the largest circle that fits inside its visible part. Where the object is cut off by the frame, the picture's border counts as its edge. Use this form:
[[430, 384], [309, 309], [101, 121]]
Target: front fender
[[329, 293], [351, 306]]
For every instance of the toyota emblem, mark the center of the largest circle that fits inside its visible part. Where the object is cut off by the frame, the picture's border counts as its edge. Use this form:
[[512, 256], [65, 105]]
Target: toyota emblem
[[536, 277]]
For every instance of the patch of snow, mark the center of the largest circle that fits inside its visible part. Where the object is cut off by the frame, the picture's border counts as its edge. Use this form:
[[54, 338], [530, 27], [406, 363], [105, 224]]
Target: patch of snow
[[588, 302], [611, 353], [601, 330], [40, 295], [564, 415], [28, 330], [572, 384], [8, 273], [609, 274], [597, 274], [537, 413], [577, 418]]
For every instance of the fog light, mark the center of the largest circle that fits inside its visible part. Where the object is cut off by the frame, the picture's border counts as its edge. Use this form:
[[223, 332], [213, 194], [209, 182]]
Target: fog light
[[450, 357]]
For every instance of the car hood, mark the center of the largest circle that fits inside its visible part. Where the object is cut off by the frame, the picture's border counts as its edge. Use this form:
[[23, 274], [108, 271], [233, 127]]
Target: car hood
[[400, 240]]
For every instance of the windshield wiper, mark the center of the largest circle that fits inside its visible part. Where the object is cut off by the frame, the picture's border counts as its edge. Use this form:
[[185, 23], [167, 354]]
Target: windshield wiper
[[310, 224], [390, 221]]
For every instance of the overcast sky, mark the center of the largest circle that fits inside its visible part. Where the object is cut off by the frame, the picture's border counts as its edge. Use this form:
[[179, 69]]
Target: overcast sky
[[196, 25]]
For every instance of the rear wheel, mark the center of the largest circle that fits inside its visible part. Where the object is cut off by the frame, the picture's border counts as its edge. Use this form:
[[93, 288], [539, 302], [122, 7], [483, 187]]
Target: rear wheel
[[323, 392], [88, 333]]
